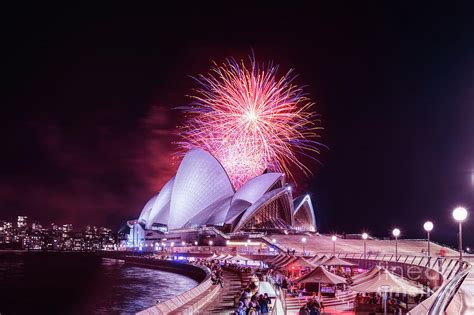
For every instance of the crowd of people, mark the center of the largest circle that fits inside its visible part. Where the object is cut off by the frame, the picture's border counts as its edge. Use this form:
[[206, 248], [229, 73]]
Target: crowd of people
[[251, 302], [236, 267], [215, 268], [393, 305], [312, 307], [368, 299]]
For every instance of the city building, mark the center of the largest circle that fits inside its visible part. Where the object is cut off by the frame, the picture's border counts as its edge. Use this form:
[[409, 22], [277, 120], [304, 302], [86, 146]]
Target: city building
[[22, 221], [56, 238]]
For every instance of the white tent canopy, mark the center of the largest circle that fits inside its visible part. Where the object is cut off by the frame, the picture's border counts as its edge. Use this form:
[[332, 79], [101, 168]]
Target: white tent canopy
[[366, 275], [321, 275], [284, 262], [318, 260], [214, 256], [390, 282], [336, 261], [274, 258], [299, 262]]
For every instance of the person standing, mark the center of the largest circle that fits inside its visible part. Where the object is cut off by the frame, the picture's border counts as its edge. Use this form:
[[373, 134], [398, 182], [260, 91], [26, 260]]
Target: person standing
[[263, 305]]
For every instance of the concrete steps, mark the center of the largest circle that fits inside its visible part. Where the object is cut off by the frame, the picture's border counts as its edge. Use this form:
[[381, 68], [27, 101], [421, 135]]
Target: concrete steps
[[224, 304]]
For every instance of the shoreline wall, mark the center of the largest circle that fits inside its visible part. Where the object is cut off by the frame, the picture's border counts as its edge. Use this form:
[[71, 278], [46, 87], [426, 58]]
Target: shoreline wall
[[194, 272], [188, 302]]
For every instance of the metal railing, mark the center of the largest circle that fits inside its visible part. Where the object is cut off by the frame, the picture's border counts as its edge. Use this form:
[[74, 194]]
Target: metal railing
[[277, 245], [217, 231], [279, 297], [448, 267], [447, 292]]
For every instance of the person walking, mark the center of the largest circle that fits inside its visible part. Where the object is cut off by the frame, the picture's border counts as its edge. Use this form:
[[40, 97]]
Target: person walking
[[219, 281]]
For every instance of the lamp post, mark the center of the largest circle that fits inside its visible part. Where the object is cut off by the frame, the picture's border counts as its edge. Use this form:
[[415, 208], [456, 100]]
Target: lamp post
[[428, 226], [274, 247], [385, 289], [210, 245], [196, 244], [364, 237], [334, 239], [303, 240], [460, 214], [396, 233]]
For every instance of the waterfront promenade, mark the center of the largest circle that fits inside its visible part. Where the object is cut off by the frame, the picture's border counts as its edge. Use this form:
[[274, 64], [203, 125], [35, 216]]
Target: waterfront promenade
[[381, 252]]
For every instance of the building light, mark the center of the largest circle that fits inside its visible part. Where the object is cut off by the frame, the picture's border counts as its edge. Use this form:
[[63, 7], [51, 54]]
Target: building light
[[244, 243]]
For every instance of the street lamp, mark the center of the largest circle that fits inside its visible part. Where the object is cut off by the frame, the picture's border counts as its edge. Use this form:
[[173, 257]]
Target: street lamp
[[385, 288], [396, 233], [210, 245], [303, 240], [274, 247], [183, 243], [428, 226], [364, 237], [460, 214], [334, 239], [196, 244]]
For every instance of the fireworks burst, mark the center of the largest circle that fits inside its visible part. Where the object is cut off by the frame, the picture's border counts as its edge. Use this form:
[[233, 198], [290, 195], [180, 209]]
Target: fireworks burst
[[251, 120]]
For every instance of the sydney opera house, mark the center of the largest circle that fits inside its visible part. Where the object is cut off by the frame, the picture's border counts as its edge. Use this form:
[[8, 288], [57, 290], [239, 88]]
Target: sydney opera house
[[200, 201]]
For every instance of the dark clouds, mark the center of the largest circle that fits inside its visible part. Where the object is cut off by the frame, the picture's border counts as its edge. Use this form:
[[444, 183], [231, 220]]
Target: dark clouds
[[97, 172], [87, 119]]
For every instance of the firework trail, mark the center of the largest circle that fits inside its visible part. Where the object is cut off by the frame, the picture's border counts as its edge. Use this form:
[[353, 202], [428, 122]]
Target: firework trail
[[250, 120]]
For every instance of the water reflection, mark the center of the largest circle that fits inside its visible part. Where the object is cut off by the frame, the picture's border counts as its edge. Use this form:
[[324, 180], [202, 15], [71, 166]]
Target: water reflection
[[146, 286], [78, 283]]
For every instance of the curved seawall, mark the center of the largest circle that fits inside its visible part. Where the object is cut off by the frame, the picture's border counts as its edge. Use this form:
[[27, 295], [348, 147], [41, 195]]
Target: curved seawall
[[188, 302], [194, 272], [83, 283]]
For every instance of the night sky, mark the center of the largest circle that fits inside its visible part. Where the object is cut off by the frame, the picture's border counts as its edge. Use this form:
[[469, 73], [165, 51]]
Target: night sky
[[88, 97]]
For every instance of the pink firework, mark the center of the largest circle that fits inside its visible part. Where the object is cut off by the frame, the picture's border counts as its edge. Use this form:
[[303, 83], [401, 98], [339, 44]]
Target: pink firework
[[251, 120]]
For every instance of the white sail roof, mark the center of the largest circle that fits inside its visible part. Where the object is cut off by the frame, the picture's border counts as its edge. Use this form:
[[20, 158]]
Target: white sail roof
[[161, 208], [144, 215], [252, 190], [202, 194], [200, 181]]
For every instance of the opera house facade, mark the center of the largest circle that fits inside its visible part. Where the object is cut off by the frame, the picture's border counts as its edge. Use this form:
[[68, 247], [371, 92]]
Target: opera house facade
[[200, 197]]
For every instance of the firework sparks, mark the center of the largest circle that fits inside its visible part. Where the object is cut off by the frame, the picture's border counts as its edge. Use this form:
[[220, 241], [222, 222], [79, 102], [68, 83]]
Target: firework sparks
[[251, 120]]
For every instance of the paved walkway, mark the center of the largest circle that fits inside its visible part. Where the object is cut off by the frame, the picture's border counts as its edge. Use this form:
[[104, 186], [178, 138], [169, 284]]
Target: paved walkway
[[184, 309], [224, 304]]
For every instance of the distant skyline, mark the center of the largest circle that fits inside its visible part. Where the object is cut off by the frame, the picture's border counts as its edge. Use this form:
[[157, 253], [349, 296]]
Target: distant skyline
[[29, 221], [89, 122]]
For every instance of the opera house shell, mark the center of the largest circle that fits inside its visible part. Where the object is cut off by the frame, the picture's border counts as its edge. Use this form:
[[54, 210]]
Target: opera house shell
[[201, 194]]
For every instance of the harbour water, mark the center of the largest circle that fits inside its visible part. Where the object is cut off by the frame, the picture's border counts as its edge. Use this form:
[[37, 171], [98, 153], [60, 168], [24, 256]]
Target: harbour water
[[81, 283]]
